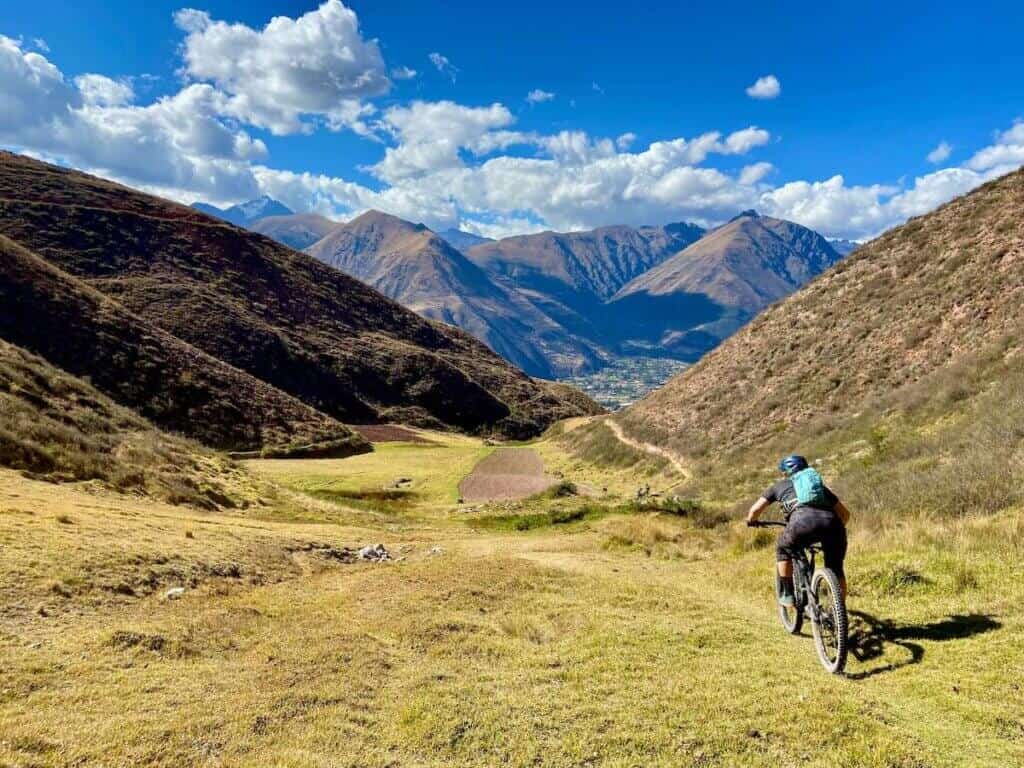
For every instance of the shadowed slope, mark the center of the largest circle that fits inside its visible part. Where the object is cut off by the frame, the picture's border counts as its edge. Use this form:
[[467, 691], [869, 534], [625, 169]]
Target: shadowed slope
[[690, 302], [570, 275], [166, 380], [298, 230]]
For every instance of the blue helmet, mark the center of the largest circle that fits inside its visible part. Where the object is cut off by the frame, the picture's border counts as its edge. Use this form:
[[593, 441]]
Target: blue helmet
[[793, 464]]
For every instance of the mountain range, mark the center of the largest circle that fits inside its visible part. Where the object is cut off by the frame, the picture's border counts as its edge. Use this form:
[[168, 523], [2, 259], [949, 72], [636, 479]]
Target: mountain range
[[690, 302], [234, 320], [248, 212], [563, 304]]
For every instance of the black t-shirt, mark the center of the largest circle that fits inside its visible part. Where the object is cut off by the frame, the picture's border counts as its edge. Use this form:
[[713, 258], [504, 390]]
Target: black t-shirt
[[784, 493]]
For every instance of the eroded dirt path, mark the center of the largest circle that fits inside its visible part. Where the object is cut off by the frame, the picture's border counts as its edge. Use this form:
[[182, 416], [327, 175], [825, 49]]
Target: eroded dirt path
[[654, 450]]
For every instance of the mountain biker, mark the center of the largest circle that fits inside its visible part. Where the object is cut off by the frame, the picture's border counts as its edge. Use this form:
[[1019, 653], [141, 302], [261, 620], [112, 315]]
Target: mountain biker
[[805, 525]]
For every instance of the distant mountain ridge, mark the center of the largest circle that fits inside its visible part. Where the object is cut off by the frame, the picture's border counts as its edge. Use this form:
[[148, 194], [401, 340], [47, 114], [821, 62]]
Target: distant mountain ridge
[[419, 269], [297, 230], [561, 304], [690, 302], [246, 213], [461, 240]]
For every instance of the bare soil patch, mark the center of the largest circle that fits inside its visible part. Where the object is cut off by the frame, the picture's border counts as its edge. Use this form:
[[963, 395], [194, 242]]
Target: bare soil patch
[[508, 473]]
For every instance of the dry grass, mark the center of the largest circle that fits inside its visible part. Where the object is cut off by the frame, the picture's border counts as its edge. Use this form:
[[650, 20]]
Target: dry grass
[[56, 427], [620, 640]]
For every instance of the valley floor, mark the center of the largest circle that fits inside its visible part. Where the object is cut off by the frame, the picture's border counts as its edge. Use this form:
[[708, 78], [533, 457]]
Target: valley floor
[[608, 639]]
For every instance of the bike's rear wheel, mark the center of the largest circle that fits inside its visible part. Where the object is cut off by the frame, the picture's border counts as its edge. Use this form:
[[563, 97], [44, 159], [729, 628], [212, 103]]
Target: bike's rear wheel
[[792, 618], [831, 624]]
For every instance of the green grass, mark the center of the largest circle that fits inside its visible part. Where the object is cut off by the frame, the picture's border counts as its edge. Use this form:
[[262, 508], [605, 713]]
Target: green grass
[[369, 481]]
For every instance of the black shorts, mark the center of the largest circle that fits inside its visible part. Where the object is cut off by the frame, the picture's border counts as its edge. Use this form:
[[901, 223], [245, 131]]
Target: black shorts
[[814, 526]]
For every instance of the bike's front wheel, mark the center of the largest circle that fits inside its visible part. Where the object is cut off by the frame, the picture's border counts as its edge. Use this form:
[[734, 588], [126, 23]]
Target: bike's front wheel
[[792, 617], [831, 623]]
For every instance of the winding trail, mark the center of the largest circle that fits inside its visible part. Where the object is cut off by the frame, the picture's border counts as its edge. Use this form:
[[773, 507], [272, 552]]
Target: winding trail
[[654, 450]]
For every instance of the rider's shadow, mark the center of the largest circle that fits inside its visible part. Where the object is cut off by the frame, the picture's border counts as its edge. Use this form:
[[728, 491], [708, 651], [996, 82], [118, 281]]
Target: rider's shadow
[[870, 636]]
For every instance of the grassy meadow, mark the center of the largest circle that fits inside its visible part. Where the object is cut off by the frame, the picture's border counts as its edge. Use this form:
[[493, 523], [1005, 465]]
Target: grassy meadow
[[560, 630]]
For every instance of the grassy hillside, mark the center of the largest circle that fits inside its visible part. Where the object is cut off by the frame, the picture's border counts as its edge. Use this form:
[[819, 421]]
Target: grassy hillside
[[283, 317], [58, 428], [937, 294], [145, 368]]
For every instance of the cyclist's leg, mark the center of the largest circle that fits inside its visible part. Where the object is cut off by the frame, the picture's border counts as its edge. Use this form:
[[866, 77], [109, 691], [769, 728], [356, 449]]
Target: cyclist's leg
[[788, 544], [833, 545]]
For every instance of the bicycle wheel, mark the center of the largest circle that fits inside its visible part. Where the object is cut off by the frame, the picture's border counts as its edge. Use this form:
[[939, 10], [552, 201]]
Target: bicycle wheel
[[830, 629], [793, 617]]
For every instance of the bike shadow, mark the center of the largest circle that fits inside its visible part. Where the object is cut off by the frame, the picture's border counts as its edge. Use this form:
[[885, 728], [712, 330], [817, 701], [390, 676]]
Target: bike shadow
[[870, 636]]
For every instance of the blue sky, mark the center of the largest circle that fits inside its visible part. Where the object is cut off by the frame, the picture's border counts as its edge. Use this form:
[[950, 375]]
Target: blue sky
[[647, 116]]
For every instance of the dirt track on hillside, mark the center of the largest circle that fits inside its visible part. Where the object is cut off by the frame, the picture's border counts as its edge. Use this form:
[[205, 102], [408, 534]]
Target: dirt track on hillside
[[508, 473], [654, 450]]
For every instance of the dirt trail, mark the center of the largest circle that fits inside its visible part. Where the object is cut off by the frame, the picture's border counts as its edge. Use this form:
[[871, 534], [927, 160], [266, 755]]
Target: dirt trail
[[654, 450], [507, 474]]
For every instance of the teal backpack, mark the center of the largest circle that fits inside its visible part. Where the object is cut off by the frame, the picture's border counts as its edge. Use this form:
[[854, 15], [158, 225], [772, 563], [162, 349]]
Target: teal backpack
[[810, 488]]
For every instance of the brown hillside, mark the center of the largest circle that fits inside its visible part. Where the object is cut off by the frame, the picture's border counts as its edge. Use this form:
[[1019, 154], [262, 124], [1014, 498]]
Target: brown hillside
[[58, 428], [420, 270], [169, 382], [704, 293], [926, 296], [297, 230], [305, 328]]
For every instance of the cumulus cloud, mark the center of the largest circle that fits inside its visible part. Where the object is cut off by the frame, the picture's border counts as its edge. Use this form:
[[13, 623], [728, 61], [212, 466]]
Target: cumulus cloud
[[318, 64], [177, 143], [940, 154], [767, 87], [430, 136], [40, 44], [403, 73], [443, 163], [536, 96], [443, 65], [752, 174], [101, 91], [625, 141], [1006, 153]]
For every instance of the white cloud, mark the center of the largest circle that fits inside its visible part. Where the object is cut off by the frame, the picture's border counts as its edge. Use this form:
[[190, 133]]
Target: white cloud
[[1007, 151], [431, 134], [940, 154], [767, 87], [318, 64], [596, 88], [403, 73], [444, 163], [40, 44], [752, 174], [178, 143], [536, 96], [443, 65], [101, 91]]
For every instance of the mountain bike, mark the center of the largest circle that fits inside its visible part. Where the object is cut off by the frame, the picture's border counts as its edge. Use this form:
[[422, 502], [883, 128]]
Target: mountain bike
[[817, 596]]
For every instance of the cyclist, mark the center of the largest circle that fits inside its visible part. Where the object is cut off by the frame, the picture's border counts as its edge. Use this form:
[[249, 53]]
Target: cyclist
[[805, 525]]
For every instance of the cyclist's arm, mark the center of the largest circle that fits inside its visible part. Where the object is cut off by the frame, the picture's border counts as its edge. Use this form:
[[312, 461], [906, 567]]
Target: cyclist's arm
[[757, 508], [843, 512]]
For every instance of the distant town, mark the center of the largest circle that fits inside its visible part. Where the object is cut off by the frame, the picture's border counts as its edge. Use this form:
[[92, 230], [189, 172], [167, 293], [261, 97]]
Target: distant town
[[627, 379]]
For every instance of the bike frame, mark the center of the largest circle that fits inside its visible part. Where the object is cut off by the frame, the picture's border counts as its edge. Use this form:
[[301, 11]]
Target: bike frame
[[803, 572]]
